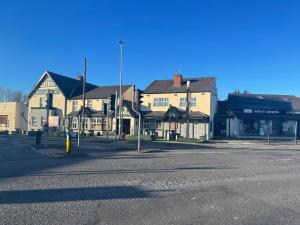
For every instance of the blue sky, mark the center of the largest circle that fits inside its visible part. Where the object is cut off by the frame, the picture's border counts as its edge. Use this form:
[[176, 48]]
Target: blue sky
[[251, 45]]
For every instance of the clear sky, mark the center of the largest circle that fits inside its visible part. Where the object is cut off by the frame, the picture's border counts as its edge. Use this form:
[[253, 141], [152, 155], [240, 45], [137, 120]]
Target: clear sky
[[251, 45]]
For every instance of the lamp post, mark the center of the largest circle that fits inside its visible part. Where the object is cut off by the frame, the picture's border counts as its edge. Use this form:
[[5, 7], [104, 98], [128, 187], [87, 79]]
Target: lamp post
[[120, 96], [187, 109]]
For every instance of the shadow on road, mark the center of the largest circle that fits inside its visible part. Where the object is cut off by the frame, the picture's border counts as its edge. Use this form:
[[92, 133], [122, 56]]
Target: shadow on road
[[73, 194], [105, 172]]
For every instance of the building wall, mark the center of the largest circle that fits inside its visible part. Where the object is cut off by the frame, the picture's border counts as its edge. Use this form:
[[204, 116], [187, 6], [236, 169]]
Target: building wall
[[97, 104], [58, 101], [196, 129], [14, 111], [204, 102], [127, 95]]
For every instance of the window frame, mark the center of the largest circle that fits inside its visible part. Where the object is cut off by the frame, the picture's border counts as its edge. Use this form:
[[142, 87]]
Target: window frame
[[158, 122], [160, 102], [75, 122], [89, 103], [33, 120], [74, 105], [146, 124]]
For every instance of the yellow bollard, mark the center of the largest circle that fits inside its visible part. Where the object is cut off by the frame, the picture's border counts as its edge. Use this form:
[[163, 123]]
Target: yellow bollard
[[68, 144]]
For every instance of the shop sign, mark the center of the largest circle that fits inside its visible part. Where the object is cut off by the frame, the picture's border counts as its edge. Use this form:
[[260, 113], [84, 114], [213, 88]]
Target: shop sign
[[266, 111], [48, 82], [261, 111], [53, 121], [247, 110], [45, 91]]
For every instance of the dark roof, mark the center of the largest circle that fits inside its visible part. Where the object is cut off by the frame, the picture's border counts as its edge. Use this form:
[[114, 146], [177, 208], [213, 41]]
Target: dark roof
[[221, 107], [238, 102], [102, 92], [128, 105], [70, 86], [67, 85], [200, 84]]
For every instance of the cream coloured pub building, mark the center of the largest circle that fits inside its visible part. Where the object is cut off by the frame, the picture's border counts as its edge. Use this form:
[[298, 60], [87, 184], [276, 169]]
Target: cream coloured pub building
[[164, 107], [100, 118], [66, 103]]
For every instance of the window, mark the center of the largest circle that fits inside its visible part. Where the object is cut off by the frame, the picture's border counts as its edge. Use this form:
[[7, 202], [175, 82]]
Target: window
[[4, 125], [160, 102], [33, 121], [75, 106], [86, 123], [74, 123], [43, 102], [158, 124], [43, 121], [146, 124], [89, 103], [96, 123], [182, 102], [192, 102]]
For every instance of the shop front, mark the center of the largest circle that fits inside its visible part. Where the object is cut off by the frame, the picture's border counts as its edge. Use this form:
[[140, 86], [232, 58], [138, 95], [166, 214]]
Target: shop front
[[286, 126], [258, 116]]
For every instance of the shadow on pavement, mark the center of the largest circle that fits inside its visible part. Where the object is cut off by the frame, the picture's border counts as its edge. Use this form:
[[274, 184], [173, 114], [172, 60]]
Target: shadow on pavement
[[73, 194], [105, 172]]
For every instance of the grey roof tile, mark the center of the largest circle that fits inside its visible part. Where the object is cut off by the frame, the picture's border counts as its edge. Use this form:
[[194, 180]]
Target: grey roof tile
[[101, 92], [200, 84]]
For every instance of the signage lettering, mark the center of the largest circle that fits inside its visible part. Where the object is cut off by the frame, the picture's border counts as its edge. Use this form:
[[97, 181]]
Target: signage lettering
[[45, 91]]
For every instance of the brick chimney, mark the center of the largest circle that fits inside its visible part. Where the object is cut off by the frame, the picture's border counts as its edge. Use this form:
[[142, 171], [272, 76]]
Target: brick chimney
[[177, 80], [79, 77]]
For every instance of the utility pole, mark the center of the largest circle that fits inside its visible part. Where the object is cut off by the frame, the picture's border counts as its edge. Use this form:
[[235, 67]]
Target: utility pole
[[135, 97], [187, 109], [78, 136], [47, 119], [120, 97], [107, 124], [116, 114], [296, 132], [83, 97]]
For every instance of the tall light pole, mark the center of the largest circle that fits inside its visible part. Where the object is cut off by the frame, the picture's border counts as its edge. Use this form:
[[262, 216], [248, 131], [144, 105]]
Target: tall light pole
[[83, 97], [120, 97], [187, 109]]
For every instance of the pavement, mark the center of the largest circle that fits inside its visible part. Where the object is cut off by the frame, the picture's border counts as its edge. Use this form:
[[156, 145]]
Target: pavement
[[222, 182]]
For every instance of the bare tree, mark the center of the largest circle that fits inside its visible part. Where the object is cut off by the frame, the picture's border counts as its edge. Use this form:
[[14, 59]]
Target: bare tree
[[7, 95], [237, 91], [245, 92]]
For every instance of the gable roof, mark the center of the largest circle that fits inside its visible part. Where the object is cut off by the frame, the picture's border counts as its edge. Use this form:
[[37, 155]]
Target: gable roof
[[67, 85], [199, 84], [70, 86], [102, 92], [263, 101]]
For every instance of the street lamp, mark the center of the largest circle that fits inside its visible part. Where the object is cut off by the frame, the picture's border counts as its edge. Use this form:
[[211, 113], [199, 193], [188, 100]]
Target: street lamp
[[187, 109], [120, 97]]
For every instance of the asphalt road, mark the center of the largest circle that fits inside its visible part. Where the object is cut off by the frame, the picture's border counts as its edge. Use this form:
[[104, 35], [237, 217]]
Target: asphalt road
[[217, 183]]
